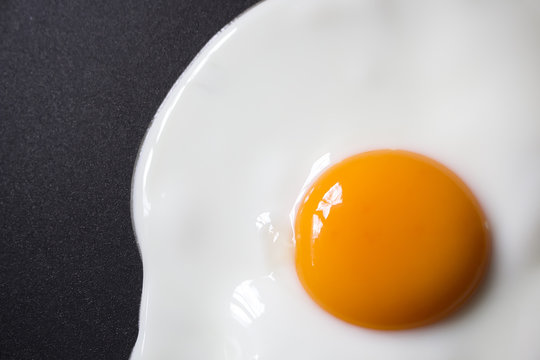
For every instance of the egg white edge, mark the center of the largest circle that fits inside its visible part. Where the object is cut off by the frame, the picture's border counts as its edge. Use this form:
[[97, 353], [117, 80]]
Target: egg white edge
[[152, 136]]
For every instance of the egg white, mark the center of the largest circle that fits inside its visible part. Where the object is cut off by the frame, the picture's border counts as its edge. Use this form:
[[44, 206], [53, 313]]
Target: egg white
[[291, 87]]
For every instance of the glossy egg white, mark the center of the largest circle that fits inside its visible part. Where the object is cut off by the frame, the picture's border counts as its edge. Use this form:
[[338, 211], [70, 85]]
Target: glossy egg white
[[286, 90]]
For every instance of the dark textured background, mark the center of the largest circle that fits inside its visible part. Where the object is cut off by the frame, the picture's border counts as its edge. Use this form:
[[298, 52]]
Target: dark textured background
[[79, 84]]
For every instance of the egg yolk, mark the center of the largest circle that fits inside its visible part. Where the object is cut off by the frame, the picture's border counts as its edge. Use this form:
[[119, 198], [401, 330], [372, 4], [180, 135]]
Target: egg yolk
[[390, 240]]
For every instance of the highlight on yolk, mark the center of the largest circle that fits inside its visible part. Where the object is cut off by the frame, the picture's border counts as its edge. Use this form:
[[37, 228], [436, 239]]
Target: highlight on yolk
[[390, 240]]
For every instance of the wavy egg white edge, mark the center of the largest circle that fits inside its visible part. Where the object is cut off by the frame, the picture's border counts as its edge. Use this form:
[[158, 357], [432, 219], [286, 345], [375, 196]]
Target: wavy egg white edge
[[284, 91]]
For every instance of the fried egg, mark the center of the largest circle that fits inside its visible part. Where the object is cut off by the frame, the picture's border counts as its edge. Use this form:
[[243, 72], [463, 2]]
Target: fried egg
[[289, 190]]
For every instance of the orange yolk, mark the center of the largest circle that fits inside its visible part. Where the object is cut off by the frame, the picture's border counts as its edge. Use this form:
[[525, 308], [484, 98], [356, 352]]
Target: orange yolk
[[390, 240]]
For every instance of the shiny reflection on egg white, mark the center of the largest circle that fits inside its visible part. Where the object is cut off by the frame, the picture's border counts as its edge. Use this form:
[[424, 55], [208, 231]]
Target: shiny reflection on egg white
[[246, 305], [246, 308]]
